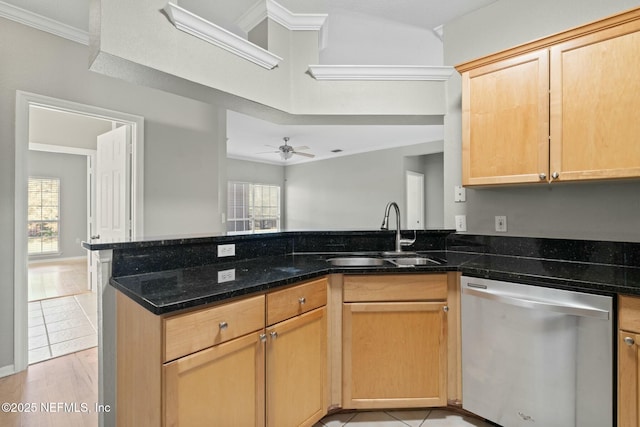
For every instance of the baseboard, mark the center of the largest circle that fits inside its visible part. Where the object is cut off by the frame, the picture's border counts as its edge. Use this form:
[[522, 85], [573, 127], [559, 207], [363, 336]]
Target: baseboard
[[5, 371], [53, 259]]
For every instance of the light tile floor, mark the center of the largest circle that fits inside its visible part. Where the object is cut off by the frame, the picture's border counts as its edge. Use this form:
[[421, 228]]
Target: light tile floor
[[61, 326], [402, 418], [58, 278]]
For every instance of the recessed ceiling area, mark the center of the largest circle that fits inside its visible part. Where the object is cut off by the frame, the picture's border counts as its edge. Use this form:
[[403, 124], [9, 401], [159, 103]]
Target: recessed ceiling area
[[257, 140]]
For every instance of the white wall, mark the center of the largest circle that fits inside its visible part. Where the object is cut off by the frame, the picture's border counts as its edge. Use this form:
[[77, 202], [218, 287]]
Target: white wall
[[356, 38], [181, 143], [137, 33], [598, 211], [350, 192], [71, 169]]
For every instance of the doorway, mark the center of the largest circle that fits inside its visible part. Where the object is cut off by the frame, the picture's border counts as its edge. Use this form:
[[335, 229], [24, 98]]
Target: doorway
[[55, 308]]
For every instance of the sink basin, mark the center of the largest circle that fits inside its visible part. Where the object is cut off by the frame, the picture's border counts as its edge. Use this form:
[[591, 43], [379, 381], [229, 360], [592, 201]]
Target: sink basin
[[411, 261], [356, 261]]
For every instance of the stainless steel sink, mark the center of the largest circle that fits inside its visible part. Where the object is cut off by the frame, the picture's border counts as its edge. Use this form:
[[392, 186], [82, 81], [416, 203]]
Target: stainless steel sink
[[411, 261], [356, 261]]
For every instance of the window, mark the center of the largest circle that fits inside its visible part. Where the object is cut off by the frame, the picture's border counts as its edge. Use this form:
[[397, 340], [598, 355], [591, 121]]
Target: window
[[252, 208], [44, 215]]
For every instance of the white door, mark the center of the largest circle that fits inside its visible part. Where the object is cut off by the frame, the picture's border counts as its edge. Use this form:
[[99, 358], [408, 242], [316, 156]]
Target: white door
[[415, 200], [112, 185]]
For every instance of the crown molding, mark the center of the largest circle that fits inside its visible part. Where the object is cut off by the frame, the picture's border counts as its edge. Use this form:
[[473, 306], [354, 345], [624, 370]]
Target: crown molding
[[43, 23], [198, 27], [381, 72], [292, 21]]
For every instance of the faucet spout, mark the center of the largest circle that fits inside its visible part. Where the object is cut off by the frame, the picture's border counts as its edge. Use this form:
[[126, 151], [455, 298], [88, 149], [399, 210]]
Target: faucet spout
[[400, 242]]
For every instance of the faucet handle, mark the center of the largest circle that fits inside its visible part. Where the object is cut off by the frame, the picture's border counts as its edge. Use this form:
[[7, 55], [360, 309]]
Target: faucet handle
[[409, 242]]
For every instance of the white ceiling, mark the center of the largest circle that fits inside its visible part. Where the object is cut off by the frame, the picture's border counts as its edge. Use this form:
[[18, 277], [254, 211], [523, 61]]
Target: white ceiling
[[253, 139], [248, 136]]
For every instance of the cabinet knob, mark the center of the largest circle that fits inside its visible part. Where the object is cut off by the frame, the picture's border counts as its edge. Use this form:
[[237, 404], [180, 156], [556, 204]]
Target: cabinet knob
[[555, 175], [302, 300], [274, 335], [542, 176], [263, 337], [445, 308], [223, 325], [629, 341]]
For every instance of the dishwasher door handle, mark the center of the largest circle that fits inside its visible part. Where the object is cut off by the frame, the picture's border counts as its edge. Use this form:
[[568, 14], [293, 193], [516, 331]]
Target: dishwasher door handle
[[558, 307]]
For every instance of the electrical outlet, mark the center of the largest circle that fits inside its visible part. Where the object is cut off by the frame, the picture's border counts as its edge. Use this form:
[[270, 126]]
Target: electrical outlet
[[461, 223], [226, 250], [226, 275], [460, 194], [501, 223]]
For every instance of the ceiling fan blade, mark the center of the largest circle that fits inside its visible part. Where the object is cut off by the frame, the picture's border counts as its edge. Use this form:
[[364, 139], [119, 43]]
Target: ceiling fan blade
[[304, 147], [268, 152], [304, 154]]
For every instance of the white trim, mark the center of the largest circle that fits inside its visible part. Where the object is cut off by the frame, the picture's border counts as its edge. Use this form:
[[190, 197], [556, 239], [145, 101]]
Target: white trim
[[196, 26], [23, 101], [295, 21], [381, 72], [264, 9], [292, 21], [439, 32], [5, 371], [45, 260], [253, 16], [62, 149], [43, 23]]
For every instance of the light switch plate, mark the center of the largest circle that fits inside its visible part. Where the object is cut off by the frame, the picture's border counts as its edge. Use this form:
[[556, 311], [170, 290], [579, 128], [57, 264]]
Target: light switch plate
[[501, 223], [460, 194], [461, 223]]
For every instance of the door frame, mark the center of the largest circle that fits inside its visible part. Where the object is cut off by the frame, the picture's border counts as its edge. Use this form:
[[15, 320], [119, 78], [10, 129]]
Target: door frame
[[90, 156], [407, 183], [23, 101]]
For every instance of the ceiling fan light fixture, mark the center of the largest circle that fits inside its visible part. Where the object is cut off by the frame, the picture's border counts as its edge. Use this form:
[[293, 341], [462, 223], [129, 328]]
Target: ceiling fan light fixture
[[286, 154]]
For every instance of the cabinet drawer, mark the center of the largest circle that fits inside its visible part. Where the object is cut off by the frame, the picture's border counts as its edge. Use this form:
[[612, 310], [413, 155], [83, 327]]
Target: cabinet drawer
[[406, 287], [296, 300], [629, 313], [187, 333]]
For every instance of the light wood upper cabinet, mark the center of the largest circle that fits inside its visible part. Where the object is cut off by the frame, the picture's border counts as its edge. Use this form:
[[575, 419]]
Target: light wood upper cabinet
[[505, 121], [595, 107], [563, 108]]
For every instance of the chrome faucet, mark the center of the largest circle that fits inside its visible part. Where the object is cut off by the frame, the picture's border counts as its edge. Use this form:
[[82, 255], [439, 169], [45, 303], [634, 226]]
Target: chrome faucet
[[400, 242]]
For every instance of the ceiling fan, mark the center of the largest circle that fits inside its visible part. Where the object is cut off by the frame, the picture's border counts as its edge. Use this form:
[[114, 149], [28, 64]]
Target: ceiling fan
[[286, 151]]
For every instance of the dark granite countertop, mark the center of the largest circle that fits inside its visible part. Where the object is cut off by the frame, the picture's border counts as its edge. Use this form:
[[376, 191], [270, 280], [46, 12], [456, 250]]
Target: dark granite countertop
[[171, 290]]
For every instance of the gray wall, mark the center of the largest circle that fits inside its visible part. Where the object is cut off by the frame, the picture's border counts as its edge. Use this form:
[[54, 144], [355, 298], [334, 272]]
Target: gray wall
[[604, 211], [350, 192], [261, 173], [71, 169], [434, 189], [182, 153]]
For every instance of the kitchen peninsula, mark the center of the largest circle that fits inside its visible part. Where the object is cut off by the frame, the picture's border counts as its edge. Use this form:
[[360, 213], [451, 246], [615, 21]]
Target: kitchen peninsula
[[164, 279]]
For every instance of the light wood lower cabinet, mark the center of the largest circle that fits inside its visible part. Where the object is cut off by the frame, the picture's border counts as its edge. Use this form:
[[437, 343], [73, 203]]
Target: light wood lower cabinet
[[628, 361], [220, 386], [297, 370], [394, 353], [220, 366]]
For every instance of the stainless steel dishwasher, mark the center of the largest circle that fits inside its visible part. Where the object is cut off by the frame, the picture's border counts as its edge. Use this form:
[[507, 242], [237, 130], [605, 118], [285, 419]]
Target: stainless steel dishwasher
[[535, 356]]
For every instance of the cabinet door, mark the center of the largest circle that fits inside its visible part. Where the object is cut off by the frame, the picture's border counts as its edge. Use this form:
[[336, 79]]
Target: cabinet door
[[505, 121], [219, 386], [297, 370], [628, 379], [595, 107], [394, 355]]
